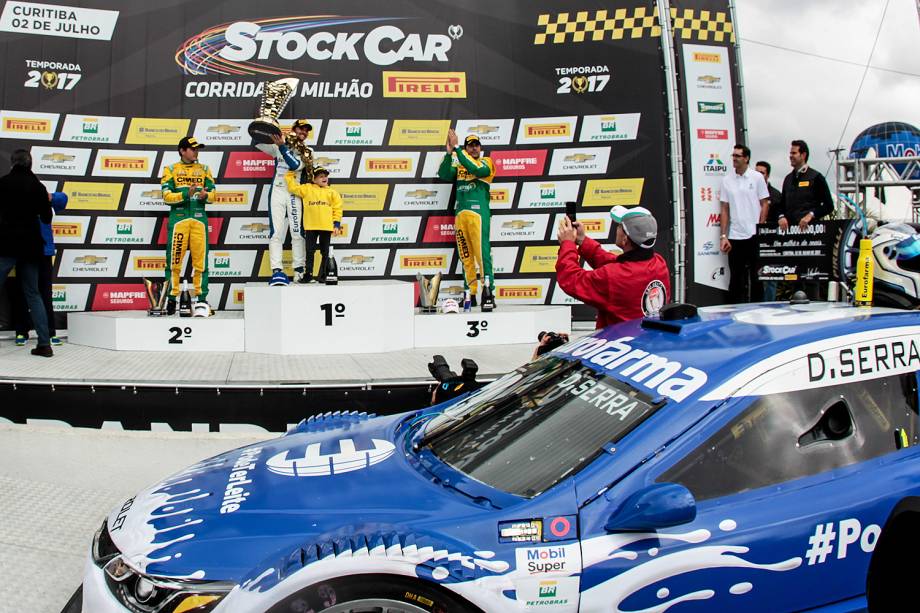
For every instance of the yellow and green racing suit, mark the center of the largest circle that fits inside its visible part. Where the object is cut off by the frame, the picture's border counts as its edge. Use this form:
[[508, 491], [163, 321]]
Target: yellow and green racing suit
[[187, 228]]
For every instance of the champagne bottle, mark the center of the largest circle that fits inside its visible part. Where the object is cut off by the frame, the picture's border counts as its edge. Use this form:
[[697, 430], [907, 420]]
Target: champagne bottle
[[332, 269], [185, 301], [488, 299]]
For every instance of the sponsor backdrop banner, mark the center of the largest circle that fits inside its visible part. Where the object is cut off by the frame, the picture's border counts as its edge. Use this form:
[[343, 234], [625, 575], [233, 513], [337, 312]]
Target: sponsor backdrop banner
[[567, 99]]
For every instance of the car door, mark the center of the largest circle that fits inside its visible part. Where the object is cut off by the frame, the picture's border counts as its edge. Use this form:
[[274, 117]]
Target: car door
[[791, 490]]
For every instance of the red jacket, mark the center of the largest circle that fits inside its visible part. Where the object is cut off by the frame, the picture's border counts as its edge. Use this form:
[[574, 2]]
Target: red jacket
[[629, 286]]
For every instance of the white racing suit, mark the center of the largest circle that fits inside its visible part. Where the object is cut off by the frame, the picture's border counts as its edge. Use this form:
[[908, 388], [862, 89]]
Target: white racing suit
[[284, 210]]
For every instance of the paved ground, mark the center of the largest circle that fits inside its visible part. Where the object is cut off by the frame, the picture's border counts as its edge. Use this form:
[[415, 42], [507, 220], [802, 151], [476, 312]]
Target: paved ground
[[56, 486]]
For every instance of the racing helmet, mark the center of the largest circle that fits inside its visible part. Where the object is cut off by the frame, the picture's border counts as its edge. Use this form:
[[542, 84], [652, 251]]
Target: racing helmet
[[896, 250]]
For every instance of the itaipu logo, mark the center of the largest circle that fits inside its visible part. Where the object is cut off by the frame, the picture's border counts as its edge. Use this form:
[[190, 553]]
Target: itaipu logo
[[714, 165], [267, 46], [316, 464]]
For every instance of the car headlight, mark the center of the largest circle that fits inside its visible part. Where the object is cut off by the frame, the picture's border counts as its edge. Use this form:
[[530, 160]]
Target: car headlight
[[141, 593]]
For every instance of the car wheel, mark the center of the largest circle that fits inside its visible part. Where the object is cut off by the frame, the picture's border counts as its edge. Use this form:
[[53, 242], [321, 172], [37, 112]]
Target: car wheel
[[374, 593], [75, 604], [888, 575]]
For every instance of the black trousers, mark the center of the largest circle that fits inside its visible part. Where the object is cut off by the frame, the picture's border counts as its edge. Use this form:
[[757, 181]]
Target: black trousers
[[312, 237], [742, 264], [22, 322]]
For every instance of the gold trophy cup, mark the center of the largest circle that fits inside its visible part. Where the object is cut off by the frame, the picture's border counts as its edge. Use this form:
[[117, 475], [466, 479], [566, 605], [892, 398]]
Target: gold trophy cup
[[157, 292], [275, 96]]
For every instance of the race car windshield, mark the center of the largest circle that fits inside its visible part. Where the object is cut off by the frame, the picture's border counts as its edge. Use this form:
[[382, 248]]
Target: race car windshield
[[540, 424]]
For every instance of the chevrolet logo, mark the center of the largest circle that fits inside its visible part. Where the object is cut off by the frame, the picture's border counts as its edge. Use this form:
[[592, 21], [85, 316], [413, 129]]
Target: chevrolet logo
[[517, 224], [223, 128], [58, 157], [578, 158], [708, 78], [153, 193], [483, 129], [453, 289], [325, 161], [90, 259], [421, 193], [255, 227], [358, 259]]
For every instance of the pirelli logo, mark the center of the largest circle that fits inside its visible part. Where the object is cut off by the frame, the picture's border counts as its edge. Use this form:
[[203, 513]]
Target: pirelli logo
[[230, 197], [388, 165], [152, 262], [707, 58], [424, 84], [593, 225], [512, 292], [422, 261], [501, 194], [238, 295], [29, 126], [64, 230], [548, 129], [124, 163]]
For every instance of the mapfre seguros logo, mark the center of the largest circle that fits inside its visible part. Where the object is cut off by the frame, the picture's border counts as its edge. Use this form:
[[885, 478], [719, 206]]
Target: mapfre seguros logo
[[266, 46]]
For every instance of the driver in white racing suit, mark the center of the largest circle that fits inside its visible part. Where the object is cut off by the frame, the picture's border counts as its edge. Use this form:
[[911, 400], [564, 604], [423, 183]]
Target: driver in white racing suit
[[284, 210]]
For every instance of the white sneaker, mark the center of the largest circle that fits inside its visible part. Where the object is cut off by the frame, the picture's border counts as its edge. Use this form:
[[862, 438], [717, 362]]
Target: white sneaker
[[201, 309], [298, 277]]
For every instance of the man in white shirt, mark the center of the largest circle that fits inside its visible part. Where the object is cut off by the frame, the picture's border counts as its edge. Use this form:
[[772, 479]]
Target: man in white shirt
[[745, 202]]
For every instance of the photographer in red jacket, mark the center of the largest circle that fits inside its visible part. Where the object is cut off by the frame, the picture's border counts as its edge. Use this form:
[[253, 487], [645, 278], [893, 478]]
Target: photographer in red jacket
[[634, 284]]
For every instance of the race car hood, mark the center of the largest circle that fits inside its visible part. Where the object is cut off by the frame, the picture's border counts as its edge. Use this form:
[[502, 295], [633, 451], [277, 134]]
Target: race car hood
[[217, 518]]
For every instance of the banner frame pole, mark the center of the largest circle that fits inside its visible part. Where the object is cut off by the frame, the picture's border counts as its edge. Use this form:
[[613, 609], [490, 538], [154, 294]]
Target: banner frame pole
[[739, 74]]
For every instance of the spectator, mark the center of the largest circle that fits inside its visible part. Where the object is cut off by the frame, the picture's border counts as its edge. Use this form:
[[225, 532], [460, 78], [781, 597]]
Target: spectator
[[21, 320], [776, 198], [632, 285], [24, 202], [745, 202]]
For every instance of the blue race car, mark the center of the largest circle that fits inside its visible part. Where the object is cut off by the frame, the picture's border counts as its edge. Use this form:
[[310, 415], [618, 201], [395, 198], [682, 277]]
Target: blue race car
[[753, 458]]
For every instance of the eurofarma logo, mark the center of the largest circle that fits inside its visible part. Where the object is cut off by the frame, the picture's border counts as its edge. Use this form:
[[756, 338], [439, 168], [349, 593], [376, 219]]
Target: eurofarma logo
[[282, 45]]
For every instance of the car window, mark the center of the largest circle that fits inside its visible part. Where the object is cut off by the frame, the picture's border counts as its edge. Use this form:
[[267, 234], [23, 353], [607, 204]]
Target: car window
[[785, 436], [547, 420]]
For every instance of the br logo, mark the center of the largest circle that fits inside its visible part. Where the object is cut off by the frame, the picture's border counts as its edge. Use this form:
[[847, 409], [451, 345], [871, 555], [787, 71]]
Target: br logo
[[315, 464]]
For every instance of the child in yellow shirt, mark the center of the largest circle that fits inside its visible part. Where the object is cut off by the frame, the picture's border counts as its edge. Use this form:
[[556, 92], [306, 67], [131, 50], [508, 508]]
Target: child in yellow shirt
[[322, 215]]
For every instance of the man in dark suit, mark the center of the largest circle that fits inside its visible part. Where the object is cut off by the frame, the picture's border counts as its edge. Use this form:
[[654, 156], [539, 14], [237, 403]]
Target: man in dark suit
[[24, 202]]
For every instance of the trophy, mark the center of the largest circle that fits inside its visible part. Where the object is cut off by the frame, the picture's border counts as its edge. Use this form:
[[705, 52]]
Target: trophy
[[428, 292], [275, 96], [157, 292]]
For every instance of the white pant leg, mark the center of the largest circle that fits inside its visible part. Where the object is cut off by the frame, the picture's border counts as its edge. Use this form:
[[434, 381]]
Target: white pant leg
[[295, 215], [277, 210]]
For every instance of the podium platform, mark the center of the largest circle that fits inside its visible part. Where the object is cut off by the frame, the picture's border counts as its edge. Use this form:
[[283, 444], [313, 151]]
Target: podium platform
[[353, 317], [136, 331]]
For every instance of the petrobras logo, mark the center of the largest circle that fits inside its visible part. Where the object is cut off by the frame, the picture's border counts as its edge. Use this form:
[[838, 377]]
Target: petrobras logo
[[395, 164], [548, 194], [115, 163], [145, 197], [657, 373], [146, 263], [408, 262], [247, 230], [501, 195], [389, 229], [269, 46], [233, 197], [711, 134], [419, 132], [58, 20], [60, 161], [355, 132], [27, 125], [92, 129], [581, 160], [522, 162], [89, 263], [424, 84], [420, 197], [710, 107], [338, 163], [124, 230], [69, 297], [714, 165], [546, 130], [231, 263], [362, 262], [610, 127], [249, 165], [211, 159], [518, 227], [439, 229], [120, 297], [707, 58], [69, 229], [521, 291], [222, 132], [82, 195], [489, 131]]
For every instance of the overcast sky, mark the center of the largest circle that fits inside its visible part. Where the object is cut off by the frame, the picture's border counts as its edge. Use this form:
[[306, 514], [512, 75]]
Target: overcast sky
[[792, 95]]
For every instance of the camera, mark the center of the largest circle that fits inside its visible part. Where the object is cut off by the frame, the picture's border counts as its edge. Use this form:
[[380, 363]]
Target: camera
[[449, 383], [553, 340]]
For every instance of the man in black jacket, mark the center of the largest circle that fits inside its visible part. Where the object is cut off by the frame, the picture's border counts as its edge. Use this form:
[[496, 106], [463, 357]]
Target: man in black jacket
[[806, 196], [23, 202]]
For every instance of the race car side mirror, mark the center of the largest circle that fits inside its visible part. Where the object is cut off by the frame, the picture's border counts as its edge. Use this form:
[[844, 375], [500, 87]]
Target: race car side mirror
[[660, 505]]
